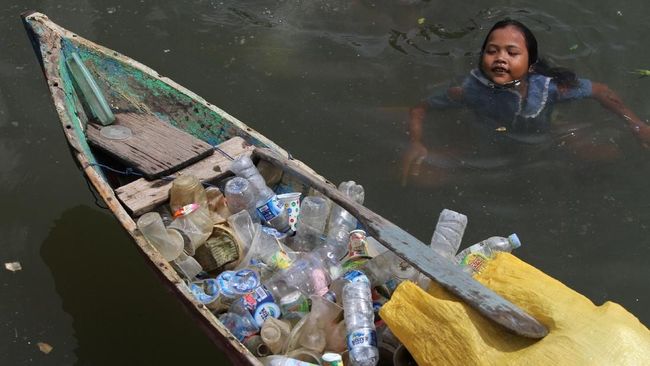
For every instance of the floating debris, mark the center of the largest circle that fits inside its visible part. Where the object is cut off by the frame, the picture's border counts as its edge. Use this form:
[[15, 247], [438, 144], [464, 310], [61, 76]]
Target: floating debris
[[501, 129], [573, 48], [421, 21], [642, 72], [44, 347], [13, 266]]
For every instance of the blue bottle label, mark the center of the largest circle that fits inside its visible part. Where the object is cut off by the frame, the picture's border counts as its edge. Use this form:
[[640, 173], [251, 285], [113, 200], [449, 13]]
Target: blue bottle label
[[223, 280], [261, 305], [362, 337], [206, 291], [244, 281], [270, 209], [356, 276]]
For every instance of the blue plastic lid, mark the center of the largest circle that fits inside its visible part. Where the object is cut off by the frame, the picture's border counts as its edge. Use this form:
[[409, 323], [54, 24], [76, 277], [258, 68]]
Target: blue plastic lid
[[514, 239]]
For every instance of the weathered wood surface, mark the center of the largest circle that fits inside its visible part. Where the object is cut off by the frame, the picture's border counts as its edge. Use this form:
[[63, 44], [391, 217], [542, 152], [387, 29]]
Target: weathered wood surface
[[142, 195], [156, 148], [420, 256]]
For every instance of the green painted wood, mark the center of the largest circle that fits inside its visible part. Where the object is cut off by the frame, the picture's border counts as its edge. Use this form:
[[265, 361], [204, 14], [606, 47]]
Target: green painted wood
[[419, 255]]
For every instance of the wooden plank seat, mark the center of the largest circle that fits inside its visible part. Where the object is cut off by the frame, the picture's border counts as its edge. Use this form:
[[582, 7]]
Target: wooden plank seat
[[155, 148], [142, 195]]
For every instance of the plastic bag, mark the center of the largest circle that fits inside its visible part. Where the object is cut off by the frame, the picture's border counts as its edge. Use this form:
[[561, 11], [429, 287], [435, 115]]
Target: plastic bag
[[438, 329]]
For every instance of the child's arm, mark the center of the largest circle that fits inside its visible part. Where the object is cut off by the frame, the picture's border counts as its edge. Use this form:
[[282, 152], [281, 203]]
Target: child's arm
[[417, 151], [611, 101]]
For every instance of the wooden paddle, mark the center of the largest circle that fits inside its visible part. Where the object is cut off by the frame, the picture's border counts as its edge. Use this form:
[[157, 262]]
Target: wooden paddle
[[419, 255]]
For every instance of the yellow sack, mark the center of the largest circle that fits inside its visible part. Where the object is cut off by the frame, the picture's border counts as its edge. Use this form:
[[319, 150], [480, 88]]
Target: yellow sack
[[438, 329]]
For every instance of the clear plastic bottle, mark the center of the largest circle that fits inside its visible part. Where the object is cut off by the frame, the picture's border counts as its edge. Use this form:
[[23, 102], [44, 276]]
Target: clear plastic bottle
[[269, 208], [342, 222], [335, 292], [306, 274], [311, 223], [240, 195], [360, 325], [241, 327], [474, 258], [257, 306], [449, 233]]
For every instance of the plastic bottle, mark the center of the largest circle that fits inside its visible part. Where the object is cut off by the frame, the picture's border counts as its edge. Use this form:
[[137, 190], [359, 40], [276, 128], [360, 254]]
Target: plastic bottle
[[360, 325], [311, 223], [239, 326], [232, 286], [168, 242], [306, 274], [259, 305], [269, 208], [342, 222], [474, 258], [335, 292], [240, 195], [449, 233]]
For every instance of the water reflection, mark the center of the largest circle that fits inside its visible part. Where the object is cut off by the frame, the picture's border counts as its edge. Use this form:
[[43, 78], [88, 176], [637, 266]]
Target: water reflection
[[119, 308]]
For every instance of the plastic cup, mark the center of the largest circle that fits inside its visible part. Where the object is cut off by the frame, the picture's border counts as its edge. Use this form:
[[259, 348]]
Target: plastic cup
[[292, 203], [189, 266]]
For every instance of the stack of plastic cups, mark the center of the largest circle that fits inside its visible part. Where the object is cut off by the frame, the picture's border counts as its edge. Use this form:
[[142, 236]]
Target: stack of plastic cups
[[359, 323]]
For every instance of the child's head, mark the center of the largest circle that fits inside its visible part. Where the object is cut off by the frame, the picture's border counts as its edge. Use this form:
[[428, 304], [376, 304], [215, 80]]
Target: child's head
[[508, 52]]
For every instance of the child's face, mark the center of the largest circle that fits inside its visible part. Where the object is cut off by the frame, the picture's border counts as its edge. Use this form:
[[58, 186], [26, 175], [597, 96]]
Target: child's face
[[505, 57]]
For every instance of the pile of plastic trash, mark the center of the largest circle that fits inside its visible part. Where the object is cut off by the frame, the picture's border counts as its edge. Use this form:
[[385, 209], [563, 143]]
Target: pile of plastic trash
[[295, 279]]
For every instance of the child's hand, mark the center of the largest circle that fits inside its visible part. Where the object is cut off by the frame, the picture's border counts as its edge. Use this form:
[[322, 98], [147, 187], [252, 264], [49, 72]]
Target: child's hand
[[412, 159], [642, 132]]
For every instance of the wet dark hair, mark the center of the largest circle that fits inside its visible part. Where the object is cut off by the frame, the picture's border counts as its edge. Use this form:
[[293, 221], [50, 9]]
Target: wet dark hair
[[563, 76]]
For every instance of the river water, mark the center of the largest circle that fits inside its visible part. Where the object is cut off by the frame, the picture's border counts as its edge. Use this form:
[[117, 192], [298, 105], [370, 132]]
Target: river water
[[331, 81]]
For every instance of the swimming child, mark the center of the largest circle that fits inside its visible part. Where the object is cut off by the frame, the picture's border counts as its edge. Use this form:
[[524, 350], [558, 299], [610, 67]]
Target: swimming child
[[513, 93]]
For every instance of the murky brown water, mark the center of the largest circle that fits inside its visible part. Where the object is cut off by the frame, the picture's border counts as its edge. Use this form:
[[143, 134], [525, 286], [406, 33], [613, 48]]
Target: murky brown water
[[331, 81]]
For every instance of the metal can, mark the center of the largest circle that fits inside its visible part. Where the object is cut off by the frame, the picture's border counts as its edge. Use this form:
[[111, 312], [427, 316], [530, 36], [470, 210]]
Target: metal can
[[332, 359], [357, 244]]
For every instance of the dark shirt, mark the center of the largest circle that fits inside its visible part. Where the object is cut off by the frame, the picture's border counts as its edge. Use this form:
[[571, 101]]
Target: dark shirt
[[505, 111], [507, 122]]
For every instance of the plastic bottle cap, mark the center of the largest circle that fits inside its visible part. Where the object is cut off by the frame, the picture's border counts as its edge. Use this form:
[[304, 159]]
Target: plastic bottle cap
[[332, 359], [514, 239]]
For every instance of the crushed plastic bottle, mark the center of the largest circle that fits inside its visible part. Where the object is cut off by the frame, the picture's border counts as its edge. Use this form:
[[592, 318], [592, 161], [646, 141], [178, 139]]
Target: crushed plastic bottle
[[449, 233]]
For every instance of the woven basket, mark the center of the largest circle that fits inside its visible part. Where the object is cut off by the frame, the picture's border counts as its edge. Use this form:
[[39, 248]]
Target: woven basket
[[220, 252]]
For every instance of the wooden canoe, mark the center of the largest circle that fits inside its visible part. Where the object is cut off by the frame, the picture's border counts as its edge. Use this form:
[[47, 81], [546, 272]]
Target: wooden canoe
[[175, 131]]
